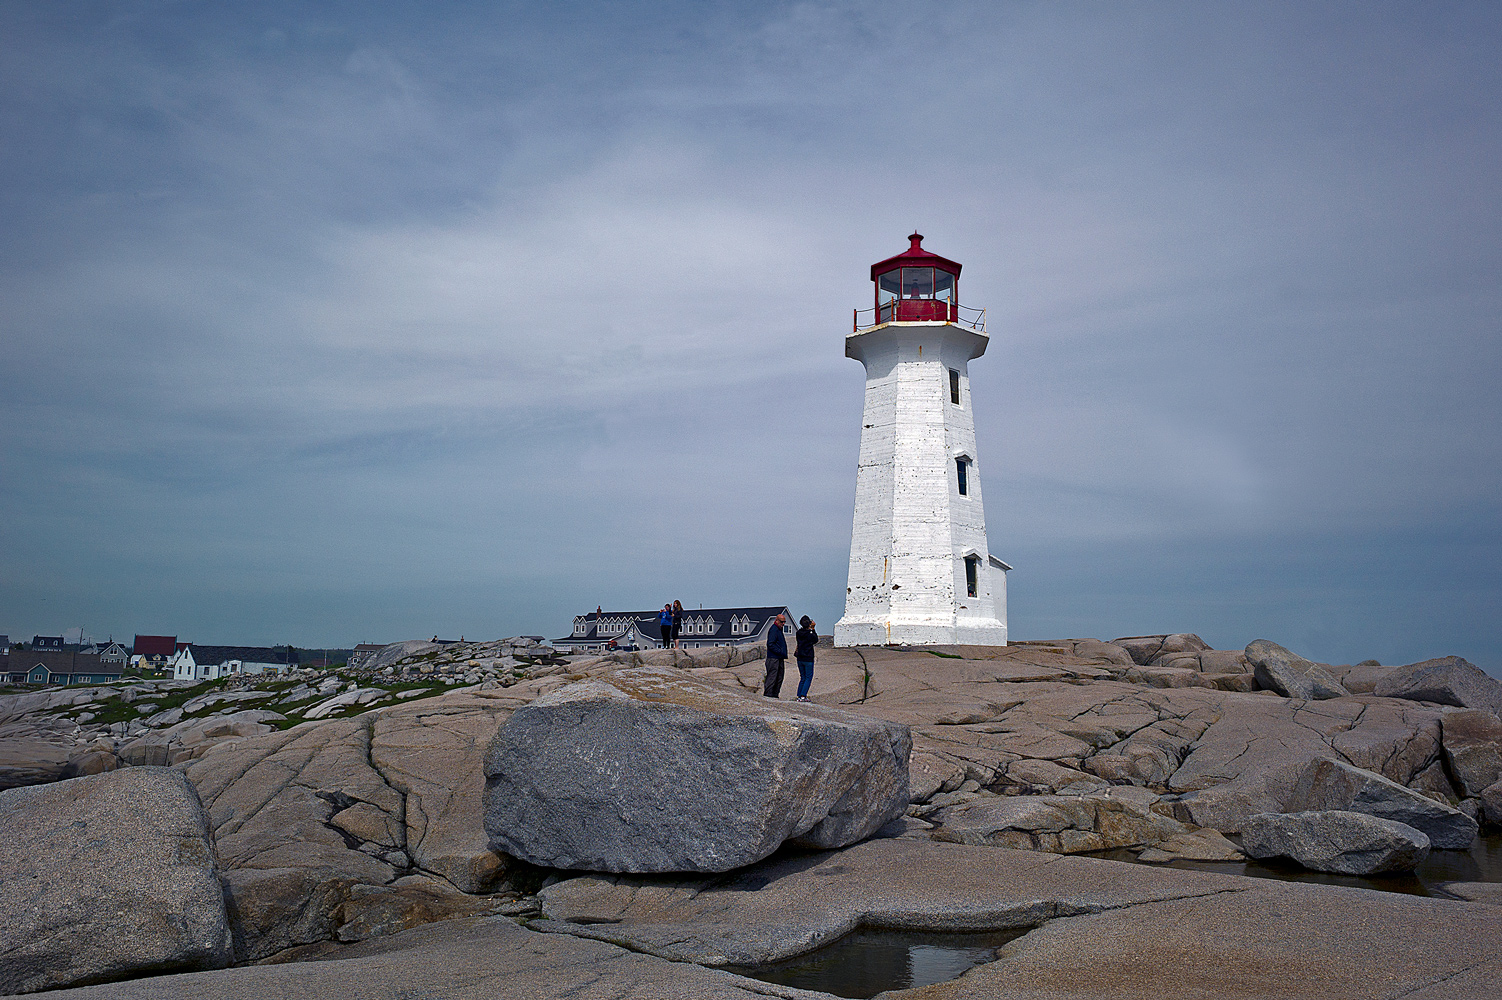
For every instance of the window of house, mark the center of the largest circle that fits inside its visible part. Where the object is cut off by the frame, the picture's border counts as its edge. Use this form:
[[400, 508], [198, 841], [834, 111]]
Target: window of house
[[960, 470], [972, 575], [954, 387]]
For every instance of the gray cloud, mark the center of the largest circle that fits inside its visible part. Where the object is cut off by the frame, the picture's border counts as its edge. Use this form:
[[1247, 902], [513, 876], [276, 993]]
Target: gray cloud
[[367, 324]]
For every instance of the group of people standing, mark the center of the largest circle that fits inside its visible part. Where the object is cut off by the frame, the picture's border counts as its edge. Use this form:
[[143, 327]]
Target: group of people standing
[[806, 638], [670, 620], [670, 623]]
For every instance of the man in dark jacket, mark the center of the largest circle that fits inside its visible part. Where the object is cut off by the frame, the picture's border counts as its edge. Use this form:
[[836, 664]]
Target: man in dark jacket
[[777, 657]]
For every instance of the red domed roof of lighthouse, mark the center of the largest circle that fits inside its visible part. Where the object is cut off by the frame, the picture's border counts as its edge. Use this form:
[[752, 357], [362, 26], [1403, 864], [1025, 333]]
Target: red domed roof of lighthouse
[[915, 256]]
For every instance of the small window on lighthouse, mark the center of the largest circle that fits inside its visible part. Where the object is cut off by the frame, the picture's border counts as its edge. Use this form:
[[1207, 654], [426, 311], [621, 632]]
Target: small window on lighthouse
[[972, 575], [954, 387], [960, 468]]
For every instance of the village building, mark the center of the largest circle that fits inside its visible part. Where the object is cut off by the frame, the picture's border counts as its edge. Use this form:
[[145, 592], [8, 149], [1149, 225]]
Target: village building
[[113, 654], [152, 652], [364, 653], [196, 662], [921, 572], [49, 665], [600, 630]]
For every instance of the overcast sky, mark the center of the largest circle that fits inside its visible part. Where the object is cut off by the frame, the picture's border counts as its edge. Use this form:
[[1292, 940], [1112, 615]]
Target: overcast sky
[[331, 323]]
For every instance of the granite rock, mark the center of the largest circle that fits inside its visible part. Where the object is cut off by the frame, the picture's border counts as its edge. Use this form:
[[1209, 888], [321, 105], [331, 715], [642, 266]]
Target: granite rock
[[1059, 824], [1491, 804], [1144, 649], [1473, 748], [1328, 785], [1349, 843], [107, 877], [1289, 674], [303, 816], [1448, 680], [651, 770]]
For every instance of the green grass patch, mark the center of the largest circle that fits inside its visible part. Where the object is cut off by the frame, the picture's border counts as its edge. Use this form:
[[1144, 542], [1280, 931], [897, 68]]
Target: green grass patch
[[947, 656]]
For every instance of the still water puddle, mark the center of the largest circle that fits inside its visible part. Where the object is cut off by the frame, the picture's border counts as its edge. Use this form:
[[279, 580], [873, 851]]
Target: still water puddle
[[867, 962]]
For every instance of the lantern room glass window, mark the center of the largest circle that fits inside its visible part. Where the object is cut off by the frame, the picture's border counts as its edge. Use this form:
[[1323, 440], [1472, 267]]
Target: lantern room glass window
[[916, 283], [904, 293], [944, 286]]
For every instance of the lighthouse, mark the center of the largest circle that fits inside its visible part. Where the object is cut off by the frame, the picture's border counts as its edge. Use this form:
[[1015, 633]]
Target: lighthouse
[[920, 570]]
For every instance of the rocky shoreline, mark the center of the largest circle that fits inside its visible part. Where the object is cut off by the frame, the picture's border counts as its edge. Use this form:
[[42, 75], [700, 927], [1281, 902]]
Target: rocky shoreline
[[349, 836]]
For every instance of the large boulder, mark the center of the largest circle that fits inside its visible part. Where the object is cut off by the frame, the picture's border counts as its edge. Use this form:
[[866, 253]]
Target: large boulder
[[652, 770], [1289, 674], [1473, 746], [1350, 843], [1335, 785], [1448, 680], [106, 877]]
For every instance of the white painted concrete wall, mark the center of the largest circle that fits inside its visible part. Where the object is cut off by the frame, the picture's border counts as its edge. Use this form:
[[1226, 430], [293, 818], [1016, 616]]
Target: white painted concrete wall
[[913, 529]]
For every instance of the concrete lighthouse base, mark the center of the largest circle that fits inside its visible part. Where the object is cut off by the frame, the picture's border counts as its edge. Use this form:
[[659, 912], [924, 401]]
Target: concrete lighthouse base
[[937, 630]]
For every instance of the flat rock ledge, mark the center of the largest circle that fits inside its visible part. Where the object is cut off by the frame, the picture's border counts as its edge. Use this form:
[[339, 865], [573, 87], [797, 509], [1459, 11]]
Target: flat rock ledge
[[651, 770], [104, 877], [1348, 843]]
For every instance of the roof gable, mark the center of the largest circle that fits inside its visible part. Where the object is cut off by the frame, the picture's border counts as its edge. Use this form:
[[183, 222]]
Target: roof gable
[[154, 645]]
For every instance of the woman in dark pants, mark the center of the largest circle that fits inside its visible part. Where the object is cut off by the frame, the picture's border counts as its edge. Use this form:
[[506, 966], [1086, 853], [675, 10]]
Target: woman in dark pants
[[665, 625], [677, 621], [808, 637]]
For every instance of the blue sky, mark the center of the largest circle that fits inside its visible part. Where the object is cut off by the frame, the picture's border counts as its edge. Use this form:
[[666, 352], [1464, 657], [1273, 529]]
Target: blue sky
[[330, 323]]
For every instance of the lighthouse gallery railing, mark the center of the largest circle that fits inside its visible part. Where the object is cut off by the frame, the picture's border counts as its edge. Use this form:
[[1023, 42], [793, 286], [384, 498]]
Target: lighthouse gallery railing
[[966, 316]]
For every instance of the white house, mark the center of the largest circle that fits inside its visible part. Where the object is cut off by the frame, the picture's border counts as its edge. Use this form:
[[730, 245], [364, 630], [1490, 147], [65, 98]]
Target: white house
[[196, 662]]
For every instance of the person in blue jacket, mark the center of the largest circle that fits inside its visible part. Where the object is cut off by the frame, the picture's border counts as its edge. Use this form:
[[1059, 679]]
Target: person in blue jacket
[[665, 625], [777, 657], [808, 637]]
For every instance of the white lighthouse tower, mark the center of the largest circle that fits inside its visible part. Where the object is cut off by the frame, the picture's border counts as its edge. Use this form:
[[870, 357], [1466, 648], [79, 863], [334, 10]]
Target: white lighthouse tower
[[920, 570]]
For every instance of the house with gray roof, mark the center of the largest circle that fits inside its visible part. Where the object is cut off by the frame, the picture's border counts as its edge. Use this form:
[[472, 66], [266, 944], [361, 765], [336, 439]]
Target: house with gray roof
[[600, 630], [49, 665], [197, 662]]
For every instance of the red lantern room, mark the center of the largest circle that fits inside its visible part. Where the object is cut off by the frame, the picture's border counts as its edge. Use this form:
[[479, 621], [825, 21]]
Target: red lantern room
[[917, 286]]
